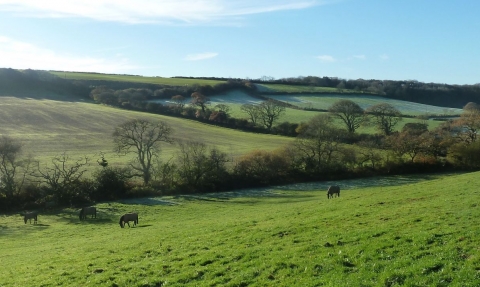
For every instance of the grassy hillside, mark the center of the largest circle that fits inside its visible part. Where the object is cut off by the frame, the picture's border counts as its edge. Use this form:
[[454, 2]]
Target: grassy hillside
[[389, 234], [134, 79], [325, 101], [48, 127], [236, 99], [280, 88]]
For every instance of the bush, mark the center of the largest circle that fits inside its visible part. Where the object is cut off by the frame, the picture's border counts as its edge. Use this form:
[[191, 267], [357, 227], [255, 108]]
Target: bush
[[110, 183]]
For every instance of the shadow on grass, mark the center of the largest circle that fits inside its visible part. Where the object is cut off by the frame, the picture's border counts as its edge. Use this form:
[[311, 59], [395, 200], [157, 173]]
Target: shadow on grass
[[143, 226], [71, 217]]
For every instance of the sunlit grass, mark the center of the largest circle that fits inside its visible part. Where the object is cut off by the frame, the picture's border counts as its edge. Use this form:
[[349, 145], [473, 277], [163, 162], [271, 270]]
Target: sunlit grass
[[47, 128], [134, 79], [391, 234]]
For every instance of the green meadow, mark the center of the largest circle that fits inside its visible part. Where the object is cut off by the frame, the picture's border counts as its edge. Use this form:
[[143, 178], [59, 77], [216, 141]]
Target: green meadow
[[49, 127], [134, 79], [396, 231], [281, 88]]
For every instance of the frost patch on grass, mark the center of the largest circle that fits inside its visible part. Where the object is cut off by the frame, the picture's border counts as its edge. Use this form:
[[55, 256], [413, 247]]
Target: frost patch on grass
[[149, 201]]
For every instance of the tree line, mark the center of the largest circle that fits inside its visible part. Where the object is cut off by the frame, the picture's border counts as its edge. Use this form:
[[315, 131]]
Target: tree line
[[437, 94], [321, 151]]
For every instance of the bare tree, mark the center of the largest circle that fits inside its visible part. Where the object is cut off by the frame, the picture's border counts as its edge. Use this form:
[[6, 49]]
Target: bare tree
[[269, 112], [349, 112], [385, 117], [318, 145], [200, 100], [223, 108], [252, 111], [62, 175], [142, 138], [9, 165], [179, 101], [200, 166]]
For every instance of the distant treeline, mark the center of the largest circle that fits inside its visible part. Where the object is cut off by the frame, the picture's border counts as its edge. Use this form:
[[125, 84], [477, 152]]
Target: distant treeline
[[455, 96]]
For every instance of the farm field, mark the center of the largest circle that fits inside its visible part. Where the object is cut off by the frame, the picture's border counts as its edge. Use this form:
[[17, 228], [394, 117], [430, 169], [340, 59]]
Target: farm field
[[279, 88], [134, 79], [49, 127], [236, 99], [324, 101], [393, 231]]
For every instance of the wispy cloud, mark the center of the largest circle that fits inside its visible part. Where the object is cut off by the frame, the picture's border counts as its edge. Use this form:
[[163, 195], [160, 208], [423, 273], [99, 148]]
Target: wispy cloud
[[200, 56], [360, 57], [151, 11], [326, 58], [20, 55]]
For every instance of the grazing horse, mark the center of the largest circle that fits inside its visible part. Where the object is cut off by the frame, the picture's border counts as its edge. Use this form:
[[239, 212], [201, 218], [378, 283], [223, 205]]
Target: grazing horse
[[91, 210], [29, 216], [333, 189], [128, 217]]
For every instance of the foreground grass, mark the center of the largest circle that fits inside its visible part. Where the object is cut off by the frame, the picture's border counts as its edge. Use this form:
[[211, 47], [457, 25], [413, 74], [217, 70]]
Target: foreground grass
[[421, 234]]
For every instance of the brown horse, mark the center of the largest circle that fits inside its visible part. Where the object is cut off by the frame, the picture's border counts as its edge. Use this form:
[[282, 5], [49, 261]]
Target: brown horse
[[29, 216], [126, 218], [333, 189], [91, 210]]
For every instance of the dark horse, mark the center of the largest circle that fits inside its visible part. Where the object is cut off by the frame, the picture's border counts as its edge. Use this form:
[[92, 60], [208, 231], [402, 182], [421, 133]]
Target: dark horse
[[30, 216], [91, 210], [128, 217], [333, 189]]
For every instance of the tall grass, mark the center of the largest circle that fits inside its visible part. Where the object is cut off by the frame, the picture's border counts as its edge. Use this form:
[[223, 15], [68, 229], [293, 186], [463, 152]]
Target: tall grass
[[420, 234]]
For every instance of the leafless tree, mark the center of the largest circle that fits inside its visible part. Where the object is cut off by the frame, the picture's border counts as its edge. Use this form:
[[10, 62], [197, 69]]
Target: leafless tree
[[143, 139], [385, 117], [10, 149], [269, 112], [349, 112], [200, 100], [252, 111]]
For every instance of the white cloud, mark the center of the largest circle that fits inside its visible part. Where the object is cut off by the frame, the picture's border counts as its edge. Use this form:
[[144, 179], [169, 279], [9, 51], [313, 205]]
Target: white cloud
[[326, 58], [20, 55], [151, 11], [201, 56]]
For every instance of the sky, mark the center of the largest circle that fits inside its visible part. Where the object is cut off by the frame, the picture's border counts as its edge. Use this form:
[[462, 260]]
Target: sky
[[425, 40]]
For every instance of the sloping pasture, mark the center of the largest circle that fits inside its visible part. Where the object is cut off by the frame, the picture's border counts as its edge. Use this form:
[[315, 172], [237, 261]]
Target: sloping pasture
[[325, 101], [414, 232], [49, 127], [134, 79], [237, 98]]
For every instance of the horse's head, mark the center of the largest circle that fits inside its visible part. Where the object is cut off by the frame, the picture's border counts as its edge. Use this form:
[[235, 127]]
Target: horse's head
[[122, 224], [81, 214]]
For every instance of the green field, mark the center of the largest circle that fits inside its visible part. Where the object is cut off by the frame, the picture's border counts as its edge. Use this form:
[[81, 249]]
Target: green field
[[236, 99], [418, 231], [49, 127], [280, 88], [134, 79], [325, 101]]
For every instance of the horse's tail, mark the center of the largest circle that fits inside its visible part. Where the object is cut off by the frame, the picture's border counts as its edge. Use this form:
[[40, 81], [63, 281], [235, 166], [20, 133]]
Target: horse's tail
[[121, 221], [81, 214]]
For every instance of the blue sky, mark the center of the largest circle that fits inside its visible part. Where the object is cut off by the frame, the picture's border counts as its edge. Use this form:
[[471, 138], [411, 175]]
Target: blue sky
[[425, 40]]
